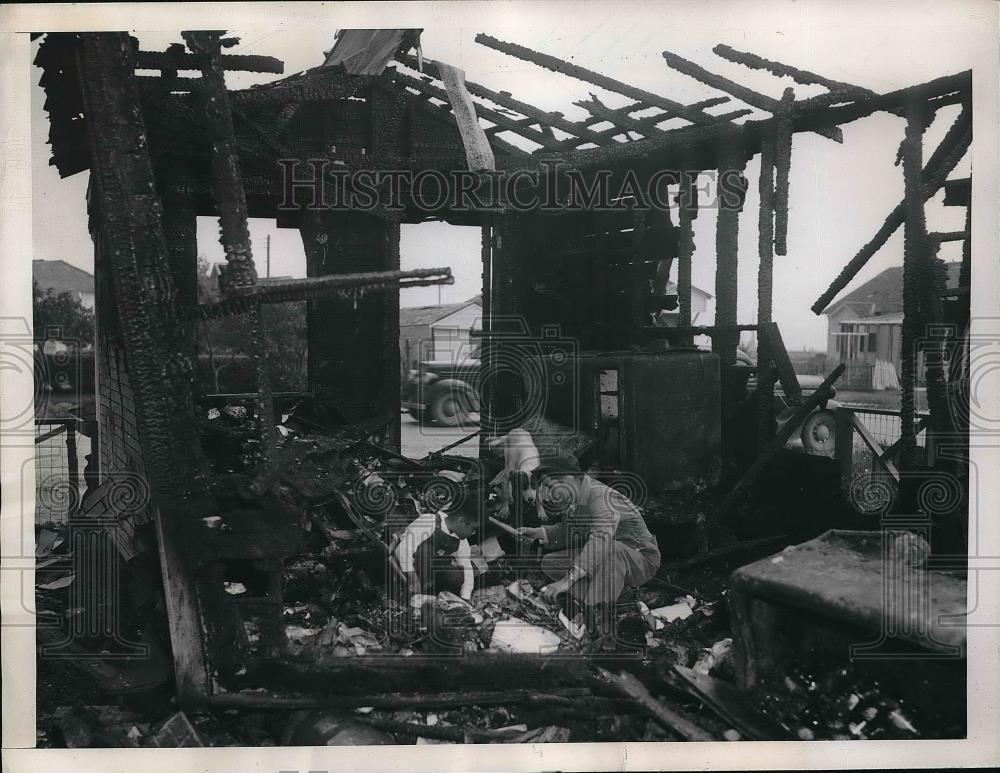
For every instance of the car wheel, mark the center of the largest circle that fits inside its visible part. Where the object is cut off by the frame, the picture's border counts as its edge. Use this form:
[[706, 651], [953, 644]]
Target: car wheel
[[819, 433], [451, 409]]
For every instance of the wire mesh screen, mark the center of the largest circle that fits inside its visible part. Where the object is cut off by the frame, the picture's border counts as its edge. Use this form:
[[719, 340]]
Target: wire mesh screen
[[60, 451], [872, 485]]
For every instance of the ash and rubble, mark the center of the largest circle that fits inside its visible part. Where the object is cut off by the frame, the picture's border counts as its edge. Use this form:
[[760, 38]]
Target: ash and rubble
[[339, 604]]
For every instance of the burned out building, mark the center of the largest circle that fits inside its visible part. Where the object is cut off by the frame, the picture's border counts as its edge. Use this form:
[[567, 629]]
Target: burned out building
[[580, 229]]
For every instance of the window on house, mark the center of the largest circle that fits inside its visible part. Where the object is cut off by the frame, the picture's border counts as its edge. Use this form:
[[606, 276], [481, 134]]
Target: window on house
[[872, 342]]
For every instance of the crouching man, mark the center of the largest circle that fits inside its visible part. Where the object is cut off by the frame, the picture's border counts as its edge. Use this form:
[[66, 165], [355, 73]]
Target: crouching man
[[434, 551], [600, 545]]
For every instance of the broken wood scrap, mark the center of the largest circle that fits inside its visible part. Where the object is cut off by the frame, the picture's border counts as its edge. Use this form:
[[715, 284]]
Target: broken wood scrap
[[731, 704], [629, 685]]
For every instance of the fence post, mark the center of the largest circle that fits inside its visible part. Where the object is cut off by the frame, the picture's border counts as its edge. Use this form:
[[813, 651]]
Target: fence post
[[72, 468], [844, 447]]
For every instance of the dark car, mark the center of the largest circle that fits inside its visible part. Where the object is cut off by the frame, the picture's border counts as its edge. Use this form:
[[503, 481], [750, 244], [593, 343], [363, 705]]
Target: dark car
[[444, 391]]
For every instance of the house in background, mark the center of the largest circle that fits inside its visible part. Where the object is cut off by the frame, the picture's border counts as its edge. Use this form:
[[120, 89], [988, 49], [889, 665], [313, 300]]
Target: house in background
[[438, 332], [60, 277], [699, 305], [864, 328]]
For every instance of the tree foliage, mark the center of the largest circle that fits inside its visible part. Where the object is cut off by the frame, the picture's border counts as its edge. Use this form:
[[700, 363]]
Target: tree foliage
[[62, 311], [226, 345]]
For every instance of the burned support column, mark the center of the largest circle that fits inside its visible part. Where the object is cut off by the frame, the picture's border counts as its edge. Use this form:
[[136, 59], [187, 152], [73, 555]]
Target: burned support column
[[227, 186], [782, 160], [914, 275], [132, 250], [353, 366], [687, 200], [510, 237], [765, 282], [230, 198], [180, 229], [732, 190]]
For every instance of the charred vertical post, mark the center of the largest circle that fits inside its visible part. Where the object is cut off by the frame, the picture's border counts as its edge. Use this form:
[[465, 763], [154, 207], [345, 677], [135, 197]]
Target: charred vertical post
[[227, 186], [914, 275], [507, 320], [230, 198], [765, 283], [732, 191], [128, 232], [347, 332], [687, 200], [180, 229], [487, 390], [782, 169]]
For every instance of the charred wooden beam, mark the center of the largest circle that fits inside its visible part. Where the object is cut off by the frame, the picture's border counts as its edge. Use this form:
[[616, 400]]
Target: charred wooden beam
[[227, 186], [331, 85], [804, 77], [129, 235], [751, 97], [578, 128], [765, 284], [941, 163], [782, 171], [512, 124], [629, 686], [949, 236], [687, 202], [676, 109], [950, 89], [241, 300], [175, 59], [914, 277], [697, 330], [622, 121], [443, 113]]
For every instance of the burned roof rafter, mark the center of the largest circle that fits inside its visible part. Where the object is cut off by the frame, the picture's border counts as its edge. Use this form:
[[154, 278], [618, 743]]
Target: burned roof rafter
[[675, 109]]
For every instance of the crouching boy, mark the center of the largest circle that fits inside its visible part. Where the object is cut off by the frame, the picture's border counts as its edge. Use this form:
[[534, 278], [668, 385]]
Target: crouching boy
[[600, 546], [434, 551]]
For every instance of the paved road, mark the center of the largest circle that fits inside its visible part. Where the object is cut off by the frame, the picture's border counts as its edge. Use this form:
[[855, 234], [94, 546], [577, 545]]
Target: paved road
[[418, 441]]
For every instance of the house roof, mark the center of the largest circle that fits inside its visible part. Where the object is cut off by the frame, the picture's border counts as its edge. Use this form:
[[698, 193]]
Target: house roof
[[428, 315], [672, 289], [892, 318], [884, 293], [60, 276]]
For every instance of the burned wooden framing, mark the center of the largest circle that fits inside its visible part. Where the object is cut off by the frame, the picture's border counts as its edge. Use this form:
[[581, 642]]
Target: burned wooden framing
[[591, 271]]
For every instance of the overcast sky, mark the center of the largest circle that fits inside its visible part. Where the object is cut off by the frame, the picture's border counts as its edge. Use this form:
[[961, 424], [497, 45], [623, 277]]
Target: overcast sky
[[839, 194]]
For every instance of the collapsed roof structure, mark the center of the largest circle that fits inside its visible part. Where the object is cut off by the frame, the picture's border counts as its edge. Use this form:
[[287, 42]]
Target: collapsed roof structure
[[163, 149]]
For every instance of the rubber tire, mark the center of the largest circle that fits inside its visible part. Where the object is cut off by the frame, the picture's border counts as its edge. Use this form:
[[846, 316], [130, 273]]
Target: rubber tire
[[825, 446], [451, 409]]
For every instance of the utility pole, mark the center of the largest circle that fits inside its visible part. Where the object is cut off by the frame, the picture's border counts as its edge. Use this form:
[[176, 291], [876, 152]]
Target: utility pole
[[268, 270]]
